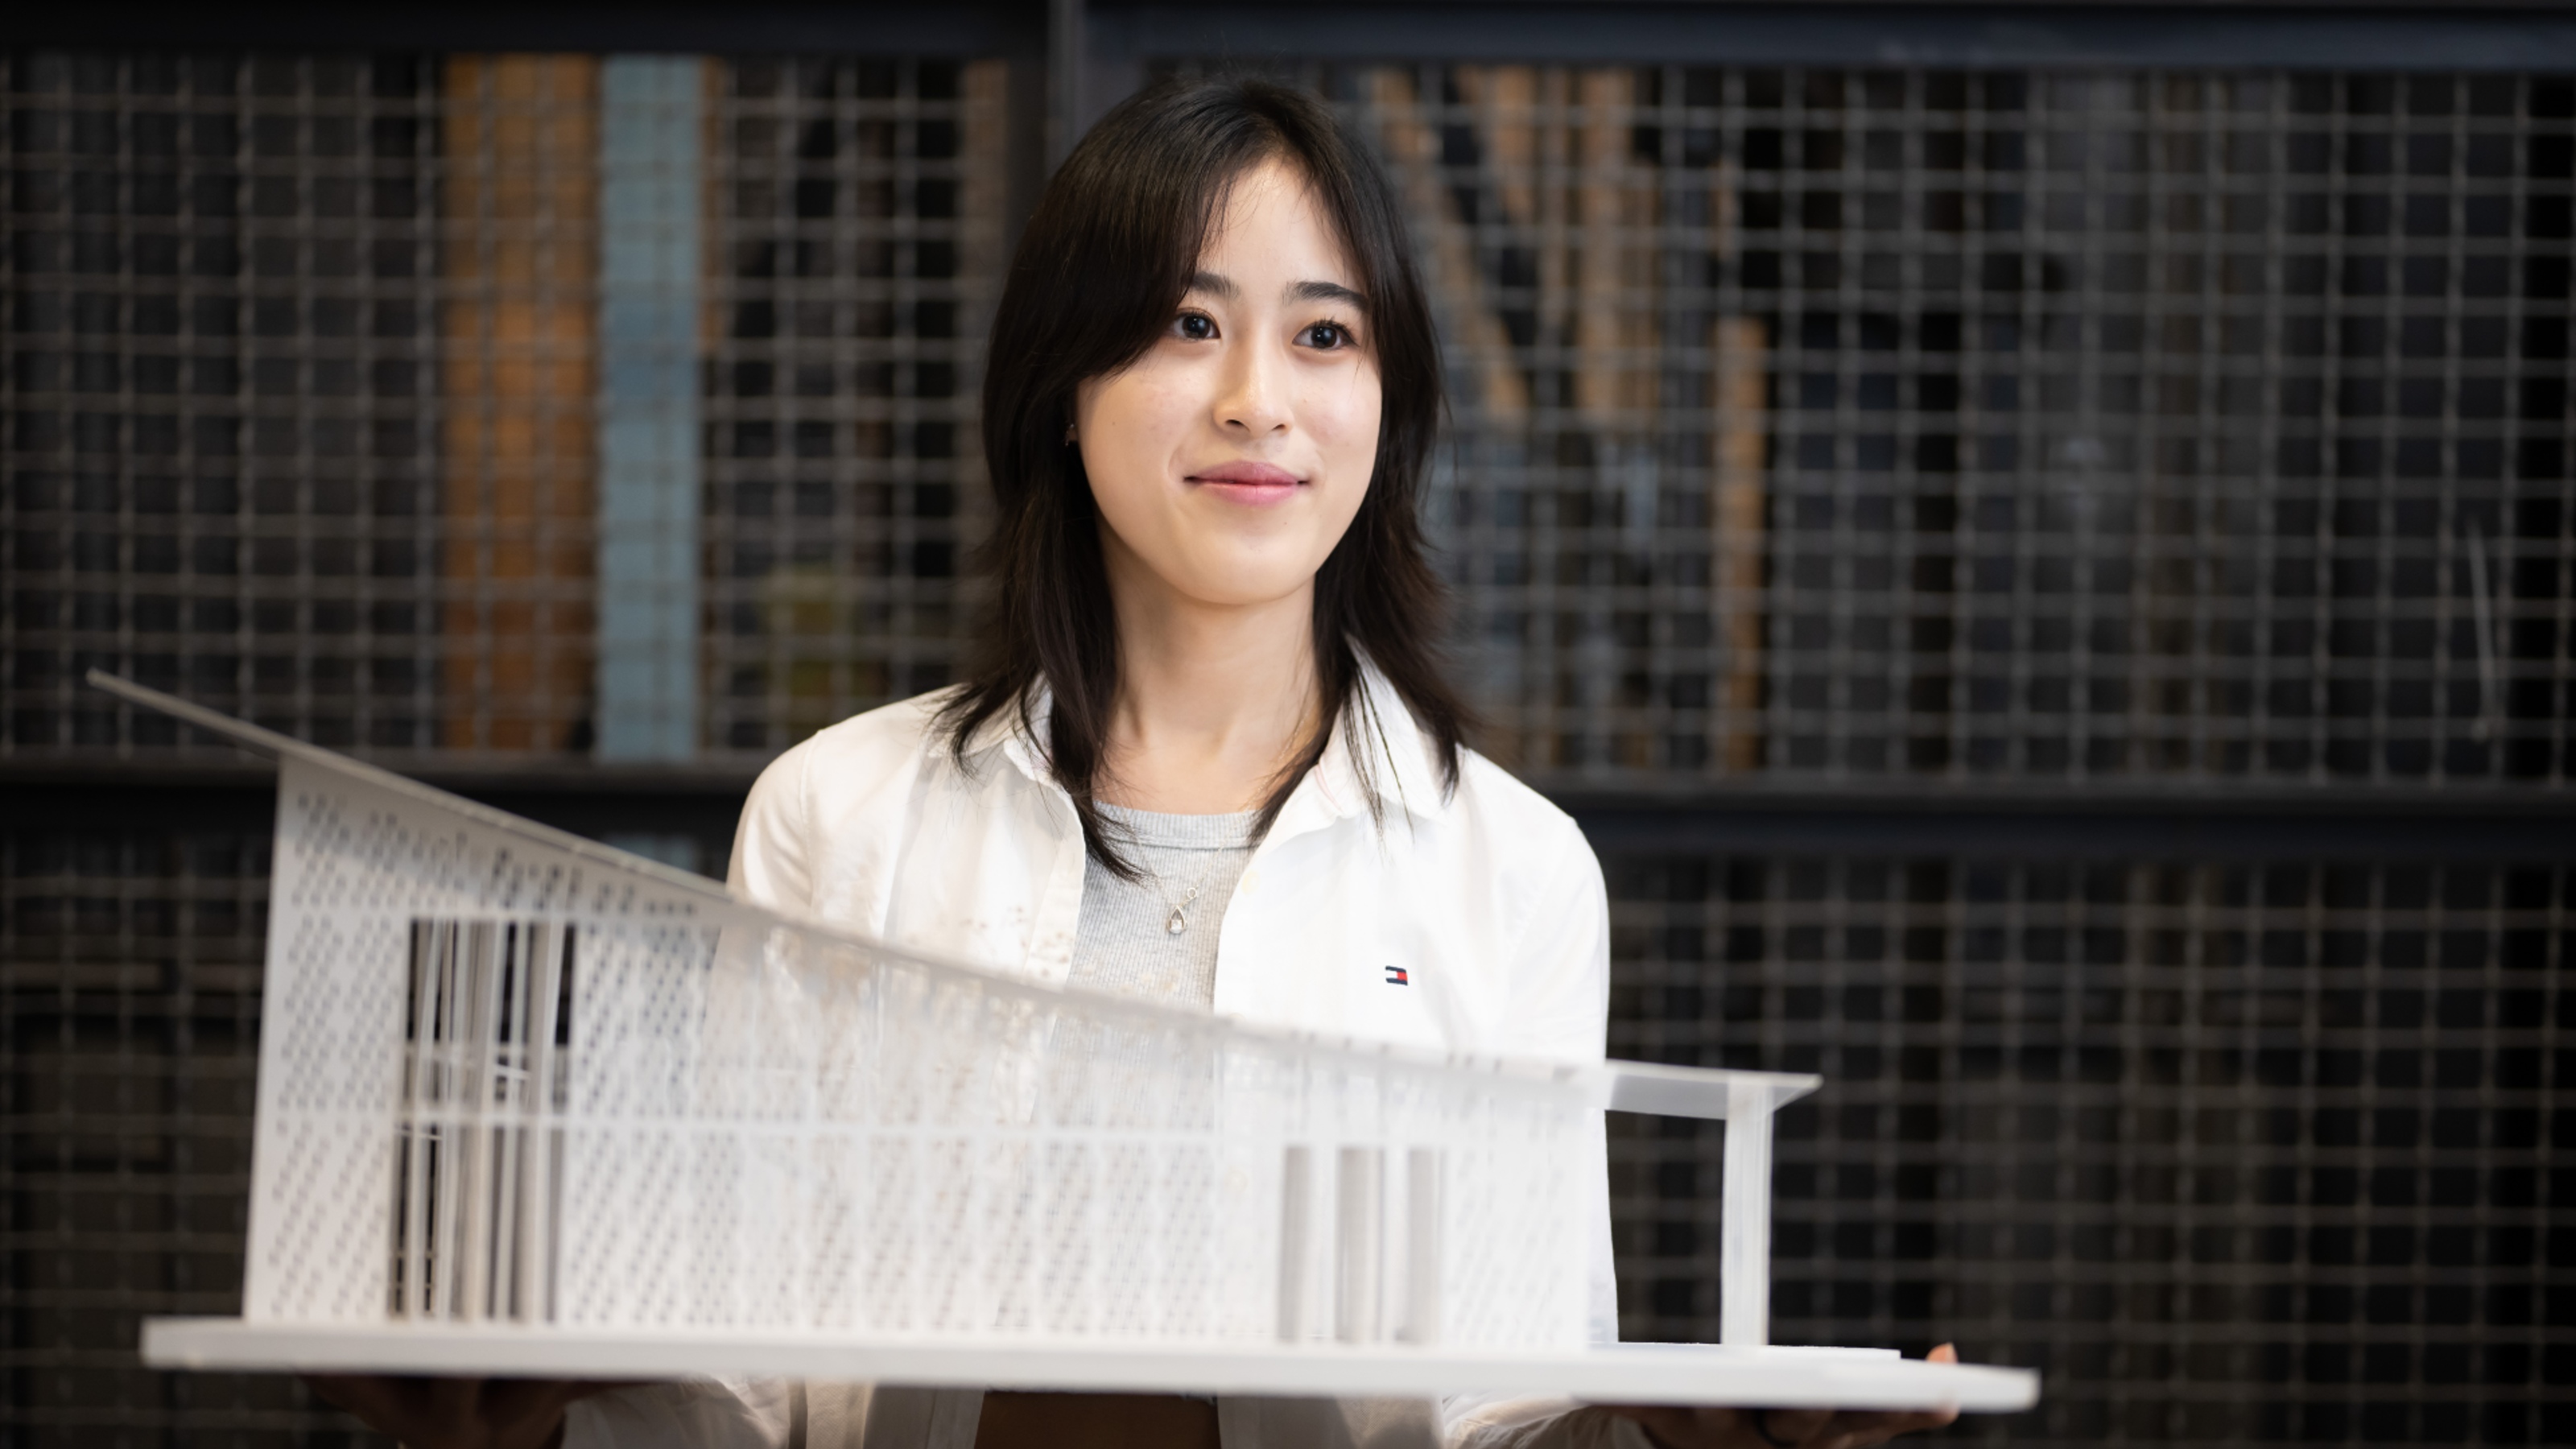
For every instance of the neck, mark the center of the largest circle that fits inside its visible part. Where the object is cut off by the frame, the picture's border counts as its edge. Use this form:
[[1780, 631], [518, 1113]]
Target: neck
[[1214, 700]]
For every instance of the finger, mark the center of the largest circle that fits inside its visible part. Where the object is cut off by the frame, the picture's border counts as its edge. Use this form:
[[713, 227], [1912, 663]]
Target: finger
[[1943, 1353], [1919, 1420], [1859, 1429]]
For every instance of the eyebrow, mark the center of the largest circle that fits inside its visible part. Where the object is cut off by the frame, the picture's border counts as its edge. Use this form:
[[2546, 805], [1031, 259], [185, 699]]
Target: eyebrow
[[1222, 287], [1327, 292]]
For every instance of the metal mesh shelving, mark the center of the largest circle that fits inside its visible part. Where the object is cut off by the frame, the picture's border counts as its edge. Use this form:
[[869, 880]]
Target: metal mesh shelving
[[1848, 425], [128, 1042], [2044, 427], [304, 369], [220, 376], [862, 257], [2238, 1152], [2048, 435]]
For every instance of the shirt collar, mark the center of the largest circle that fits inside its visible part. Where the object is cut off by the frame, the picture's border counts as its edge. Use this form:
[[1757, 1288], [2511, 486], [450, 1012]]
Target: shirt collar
[[1024, 745], [1376, 742]]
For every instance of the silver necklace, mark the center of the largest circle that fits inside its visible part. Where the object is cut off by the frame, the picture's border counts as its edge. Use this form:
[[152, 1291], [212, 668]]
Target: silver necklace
[[1179, 920]]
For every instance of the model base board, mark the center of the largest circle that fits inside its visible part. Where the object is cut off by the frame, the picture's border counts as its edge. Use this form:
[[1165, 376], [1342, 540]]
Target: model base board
[[1788, 1378]]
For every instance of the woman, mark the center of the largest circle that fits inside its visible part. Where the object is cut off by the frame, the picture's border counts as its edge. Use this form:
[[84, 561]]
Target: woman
[[1207, 755]]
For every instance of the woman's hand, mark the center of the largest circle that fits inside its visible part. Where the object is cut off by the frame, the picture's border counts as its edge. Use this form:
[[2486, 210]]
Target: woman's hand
[[1682, 1427], [439, 1413]]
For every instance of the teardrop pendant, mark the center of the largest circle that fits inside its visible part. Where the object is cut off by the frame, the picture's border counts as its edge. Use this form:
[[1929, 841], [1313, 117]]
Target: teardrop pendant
[[1177, 924]]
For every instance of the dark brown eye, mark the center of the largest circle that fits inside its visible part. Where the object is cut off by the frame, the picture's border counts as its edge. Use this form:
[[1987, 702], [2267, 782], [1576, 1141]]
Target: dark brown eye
[[1196, 327], [1326, 336]]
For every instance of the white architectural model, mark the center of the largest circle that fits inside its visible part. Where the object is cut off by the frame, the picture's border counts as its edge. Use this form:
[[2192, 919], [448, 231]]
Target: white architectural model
[[529, 1105]]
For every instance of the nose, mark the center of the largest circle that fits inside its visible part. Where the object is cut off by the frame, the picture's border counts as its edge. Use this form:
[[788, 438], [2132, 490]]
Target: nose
[[1253, 397]]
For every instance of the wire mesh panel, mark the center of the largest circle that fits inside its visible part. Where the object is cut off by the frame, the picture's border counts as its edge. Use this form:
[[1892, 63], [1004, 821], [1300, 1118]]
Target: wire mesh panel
[[2233, 1153], [1872, 423], [302, 387], [1824, 425], [221, 381], [128, 1038], [1830, 422], [311, 358], [860, 206]]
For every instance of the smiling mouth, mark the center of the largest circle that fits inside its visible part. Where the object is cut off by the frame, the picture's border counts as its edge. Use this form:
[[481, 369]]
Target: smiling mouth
[[1253, 478]]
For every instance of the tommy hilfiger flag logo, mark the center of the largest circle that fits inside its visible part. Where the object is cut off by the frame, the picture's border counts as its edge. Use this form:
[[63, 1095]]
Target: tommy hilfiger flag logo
[[1395, 977]]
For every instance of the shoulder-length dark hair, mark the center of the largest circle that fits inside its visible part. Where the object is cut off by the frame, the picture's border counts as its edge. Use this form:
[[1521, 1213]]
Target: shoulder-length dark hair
[[1098, 276]]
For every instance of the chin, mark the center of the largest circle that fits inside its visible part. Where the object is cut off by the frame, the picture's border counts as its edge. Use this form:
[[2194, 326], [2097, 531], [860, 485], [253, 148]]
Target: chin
[[1235, 587], [1253, 566]]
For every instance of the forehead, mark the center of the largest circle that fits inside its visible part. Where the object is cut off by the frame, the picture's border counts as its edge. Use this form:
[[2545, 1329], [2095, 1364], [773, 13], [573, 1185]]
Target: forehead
[[1274, 226]]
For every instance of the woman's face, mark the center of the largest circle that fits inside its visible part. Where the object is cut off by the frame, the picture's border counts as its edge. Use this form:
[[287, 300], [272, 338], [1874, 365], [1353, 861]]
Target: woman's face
[[1229, 459]]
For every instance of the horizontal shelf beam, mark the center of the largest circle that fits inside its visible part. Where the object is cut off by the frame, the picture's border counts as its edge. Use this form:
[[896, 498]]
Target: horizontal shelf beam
[[2097, 824], [1987, 36], [2214, 835], [2521, 37], [974, 28]]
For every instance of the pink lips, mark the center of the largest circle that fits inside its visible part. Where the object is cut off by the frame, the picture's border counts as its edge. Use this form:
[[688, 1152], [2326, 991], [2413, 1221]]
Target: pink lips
[[1248, 482]]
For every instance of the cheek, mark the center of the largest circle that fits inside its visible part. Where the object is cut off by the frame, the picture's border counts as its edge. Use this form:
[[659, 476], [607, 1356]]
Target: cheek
[[1125, 426], [1345, 421], [1153, 398]]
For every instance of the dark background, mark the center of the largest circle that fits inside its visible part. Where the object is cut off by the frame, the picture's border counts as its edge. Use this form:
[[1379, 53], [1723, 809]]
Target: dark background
[[2038, 541]]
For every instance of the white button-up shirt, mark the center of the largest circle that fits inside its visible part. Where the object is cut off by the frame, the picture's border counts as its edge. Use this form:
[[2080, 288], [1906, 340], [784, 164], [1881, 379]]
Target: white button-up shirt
[[1487, 897]]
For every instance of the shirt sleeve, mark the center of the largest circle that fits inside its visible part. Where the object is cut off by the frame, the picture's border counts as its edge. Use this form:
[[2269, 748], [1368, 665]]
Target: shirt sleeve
[[1561, 975], [1561, 1007], [1561, 1010], [772, 844]]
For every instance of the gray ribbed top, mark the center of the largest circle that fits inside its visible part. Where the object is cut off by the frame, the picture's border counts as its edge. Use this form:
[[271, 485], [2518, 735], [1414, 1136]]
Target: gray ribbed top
[[1123, 942]]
